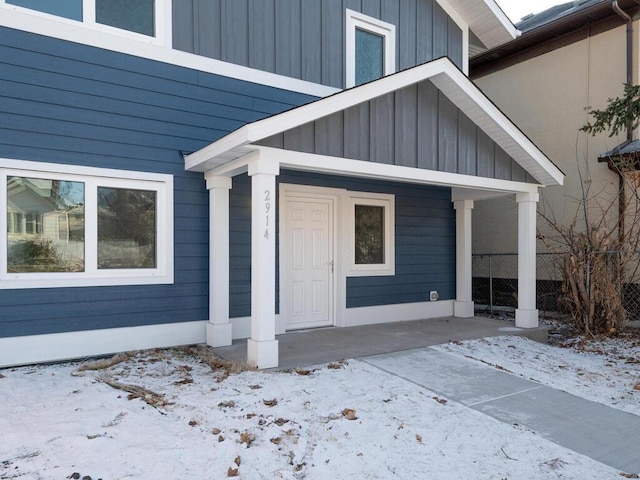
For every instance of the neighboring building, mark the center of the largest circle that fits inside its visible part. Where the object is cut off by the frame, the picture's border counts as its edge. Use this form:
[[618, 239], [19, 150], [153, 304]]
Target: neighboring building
[[223, 184], [569, 60]]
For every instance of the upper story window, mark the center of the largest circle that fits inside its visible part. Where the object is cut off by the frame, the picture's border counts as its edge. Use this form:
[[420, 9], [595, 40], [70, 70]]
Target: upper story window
[[137, 16], [371, 48]]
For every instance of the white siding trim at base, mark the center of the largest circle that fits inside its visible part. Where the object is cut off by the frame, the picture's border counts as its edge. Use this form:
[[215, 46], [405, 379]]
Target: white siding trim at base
[[354, 317], [404, 312], [72, 345]]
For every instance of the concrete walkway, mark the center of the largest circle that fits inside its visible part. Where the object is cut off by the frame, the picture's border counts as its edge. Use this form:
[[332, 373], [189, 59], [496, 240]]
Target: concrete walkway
[[605, 434]]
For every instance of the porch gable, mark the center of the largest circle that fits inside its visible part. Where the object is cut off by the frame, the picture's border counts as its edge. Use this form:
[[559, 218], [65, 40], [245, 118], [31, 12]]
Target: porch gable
[[416, 126]]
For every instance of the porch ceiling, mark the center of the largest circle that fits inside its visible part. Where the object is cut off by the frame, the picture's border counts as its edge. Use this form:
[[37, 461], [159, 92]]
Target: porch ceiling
[[446, 78]]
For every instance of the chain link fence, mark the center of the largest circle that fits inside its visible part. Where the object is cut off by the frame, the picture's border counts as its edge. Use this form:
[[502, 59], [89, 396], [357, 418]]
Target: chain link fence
[[495, 284]]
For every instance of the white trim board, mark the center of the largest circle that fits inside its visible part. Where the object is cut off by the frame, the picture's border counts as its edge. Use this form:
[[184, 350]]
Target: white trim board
[[445, 76], [149, 48], [65, 346], [403, 312], [354, 317]]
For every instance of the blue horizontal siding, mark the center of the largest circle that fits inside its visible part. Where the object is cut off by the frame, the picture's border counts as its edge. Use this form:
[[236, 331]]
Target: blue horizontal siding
[[424, 242], [72, 104]]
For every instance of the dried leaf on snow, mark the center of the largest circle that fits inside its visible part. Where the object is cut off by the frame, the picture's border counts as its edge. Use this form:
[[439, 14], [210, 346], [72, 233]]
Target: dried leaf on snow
[[232, 472], [349, 414]]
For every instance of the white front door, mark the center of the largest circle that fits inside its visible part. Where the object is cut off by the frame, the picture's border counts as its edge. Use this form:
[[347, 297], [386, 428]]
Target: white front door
[[306, 250]]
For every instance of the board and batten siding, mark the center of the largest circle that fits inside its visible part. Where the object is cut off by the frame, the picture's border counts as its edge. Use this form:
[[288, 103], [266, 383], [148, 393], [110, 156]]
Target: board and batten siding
[[424, 242], [66, 103], [417, 126], [305, 39]]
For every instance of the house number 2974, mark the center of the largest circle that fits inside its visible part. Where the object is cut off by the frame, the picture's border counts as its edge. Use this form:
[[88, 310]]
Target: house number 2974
[[267, 209]]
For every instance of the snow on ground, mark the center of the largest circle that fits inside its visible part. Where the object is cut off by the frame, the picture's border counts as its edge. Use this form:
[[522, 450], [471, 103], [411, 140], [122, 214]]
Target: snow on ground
[[186, 419], [603, 371]]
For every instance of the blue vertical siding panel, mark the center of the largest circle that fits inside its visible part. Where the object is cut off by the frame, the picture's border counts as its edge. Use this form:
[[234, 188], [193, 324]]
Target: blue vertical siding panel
[[183, 25], [382, 129], [328, 135], [407, 35], [311, 44], [235, 31], [371, 8], [356, 139], [207, 40], [428, 96], [76, 105], [448, 135], [440, 31], [424, 31], [333, 21], [406, 122], [263, 38], [288, 38], [454, 43]]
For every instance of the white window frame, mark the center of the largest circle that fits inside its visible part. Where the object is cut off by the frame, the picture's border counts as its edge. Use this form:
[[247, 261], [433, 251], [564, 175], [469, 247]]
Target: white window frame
[[162, 20], [92, 178], [357, 20], [377, 200]]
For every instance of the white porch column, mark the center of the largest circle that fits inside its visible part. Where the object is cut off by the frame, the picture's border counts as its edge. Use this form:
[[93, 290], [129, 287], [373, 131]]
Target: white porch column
[[219, 325], [262, 347], [463, 305], [527, 314]]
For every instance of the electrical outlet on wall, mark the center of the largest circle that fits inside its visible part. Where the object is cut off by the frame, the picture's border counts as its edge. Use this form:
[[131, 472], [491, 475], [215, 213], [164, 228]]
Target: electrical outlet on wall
[[434, 295]]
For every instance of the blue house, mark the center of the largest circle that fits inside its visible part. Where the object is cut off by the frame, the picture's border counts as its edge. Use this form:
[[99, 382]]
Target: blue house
[[189, 171]]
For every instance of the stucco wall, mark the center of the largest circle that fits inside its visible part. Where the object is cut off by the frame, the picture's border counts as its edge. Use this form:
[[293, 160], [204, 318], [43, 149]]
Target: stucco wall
[[548, 98]]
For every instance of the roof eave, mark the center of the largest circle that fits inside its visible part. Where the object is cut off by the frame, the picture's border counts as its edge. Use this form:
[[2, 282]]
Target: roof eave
[[487, 20]]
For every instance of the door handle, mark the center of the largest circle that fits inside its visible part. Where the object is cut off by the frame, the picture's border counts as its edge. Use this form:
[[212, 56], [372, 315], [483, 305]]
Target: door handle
[[331, 265]]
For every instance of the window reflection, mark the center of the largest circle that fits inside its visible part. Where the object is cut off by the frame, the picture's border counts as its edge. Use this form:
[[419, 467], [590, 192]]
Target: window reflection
[[126, 228], [45, 225], [369, 56], [369, 235], [133, 15]]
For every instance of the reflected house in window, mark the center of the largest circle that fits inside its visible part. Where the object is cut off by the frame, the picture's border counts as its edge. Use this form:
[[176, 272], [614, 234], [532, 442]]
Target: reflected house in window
[[45, 225]]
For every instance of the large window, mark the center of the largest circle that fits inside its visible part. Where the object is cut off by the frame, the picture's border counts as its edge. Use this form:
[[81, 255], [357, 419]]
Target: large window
[[371, 47], [102, 227], [137, 16], [373, 234]]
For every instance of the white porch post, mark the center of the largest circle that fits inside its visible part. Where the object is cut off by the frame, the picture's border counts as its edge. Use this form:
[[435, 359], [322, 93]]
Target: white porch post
[[527, 314], [219, 325], [463, 305], [262, 347]]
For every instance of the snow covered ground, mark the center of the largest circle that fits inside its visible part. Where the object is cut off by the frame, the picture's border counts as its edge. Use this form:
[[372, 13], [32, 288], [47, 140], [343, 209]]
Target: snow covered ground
[[173, 414]]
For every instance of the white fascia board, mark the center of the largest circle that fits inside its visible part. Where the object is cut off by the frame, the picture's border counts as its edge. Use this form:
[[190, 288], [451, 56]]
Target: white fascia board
[[381, 171], [487, 20]]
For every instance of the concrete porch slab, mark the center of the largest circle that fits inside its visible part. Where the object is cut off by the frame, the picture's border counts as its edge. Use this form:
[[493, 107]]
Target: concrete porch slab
[[313, 347]]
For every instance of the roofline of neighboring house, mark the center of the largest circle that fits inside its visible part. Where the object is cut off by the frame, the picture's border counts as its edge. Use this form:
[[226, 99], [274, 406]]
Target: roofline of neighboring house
[[565, 30]]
